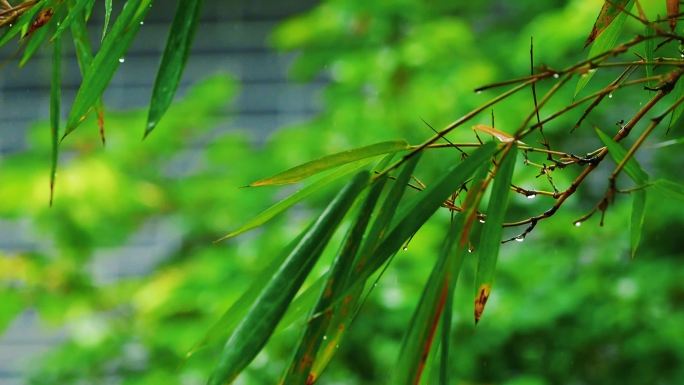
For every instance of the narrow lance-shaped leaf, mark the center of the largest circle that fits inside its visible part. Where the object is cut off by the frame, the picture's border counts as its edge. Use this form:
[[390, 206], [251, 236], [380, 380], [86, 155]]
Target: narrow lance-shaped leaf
[[84, 57], [609, 12], [173, 61], [107, 60], [490, 238], [107, 16], [637, 220], [22, 23], [298, 371], [345, 310], [669, 188], [420, 334], [253, 332], [75, 11], [38, 32], [307, 169], [617, 152], [606, 39], [295, 198], [55, 102]]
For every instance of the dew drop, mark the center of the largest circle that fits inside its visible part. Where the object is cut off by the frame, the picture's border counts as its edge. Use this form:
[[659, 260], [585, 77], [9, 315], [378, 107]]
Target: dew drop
[[325, 338], [470, 250], [578, 224], [478, 92], [482, 221], [121, 60], [519, 238], [681, 54], [405, 248], [531, 196], [556, 76], [142, 22], [610, 95]]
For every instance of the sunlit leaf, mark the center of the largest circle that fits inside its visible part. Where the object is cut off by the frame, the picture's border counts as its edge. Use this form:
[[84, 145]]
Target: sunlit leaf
[[490, 238], [498, 134], [107, 60], [295, 198], [604, 37], [617, 152], [307, 169], [55, 103], [637, 219], [173, 61], [268, 308]]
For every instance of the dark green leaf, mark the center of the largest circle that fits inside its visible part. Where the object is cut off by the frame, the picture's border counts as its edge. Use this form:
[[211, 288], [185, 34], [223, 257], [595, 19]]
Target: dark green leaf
[[107, 60], [307, 169], [617, 152], [257, 326], [669, 188], [490, 238], [637, 221], [173, 61]]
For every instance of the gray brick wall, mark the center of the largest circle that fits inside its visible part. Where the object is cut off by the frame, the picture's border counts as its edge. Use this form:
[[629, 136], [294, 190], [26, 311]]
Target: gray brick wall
[[232, 37]]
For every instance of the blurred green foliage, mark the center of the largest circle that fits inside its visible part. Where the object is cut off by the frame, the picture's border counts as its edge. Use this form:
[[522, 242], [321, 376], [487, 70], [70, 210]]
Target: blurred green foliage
[[570, 306]]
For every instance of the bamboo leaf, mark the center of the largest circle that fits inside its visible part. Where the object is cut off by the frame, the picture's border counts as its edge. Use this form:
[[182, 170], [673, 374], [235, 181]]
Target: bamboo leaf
[[35, 40], [75, 11], [490, 238], [637, 220], [260, 321], [611, 10], [436, 292], [173, 60], [617, 152], [669, 188], [300, 366], [307, 169], [605, 34], [500, 135], [22, 23], [107, 16], [107, 60], [677, 92], [55, 103], [295, 198]]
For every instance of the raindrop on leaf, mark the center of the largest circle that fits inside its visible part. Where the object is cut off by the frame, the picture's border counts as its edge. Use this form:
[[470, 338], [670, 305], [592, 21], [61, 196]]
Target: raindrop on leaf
[[519, 238]]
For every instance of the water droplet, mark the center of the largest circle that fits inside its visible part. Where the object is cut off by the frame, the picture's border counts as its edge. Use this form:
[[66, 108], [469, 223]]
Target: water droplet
[[121, 60], [681, 54], [405, 248], [556, 76], [578, 224], [470, 249], [610, 95], [478, 92], [519, 238], [531, 196], [142, 22], [482, 221], [325, 338]]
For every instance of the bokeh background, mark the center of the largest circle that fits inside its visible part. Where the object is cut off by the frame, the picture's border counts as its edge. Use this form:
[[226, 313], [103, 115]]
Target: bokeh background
[[117, 281]]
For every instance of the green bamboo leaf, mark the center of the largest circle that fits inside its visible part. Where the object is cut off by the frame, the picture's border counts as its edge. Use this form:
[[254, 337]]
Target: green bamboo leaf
[[490, 238], [107, 60], [617, 152], [255, 329], [55, 102], [418, 339], [107, 16], [610, 25], [677, 93], [637, 220], [301, 363], [295, 198], [22, 23], [75, 11], [173, 61], [307, 169], [421, 209], [669, 188], [84, 58], [344, 311], [35, 40]]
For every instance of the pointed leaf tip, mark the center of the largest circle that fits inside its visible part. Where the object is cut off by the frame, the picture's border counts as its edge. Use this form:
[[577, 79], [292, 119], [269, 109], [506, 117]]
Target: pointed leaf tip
[[481, 300]]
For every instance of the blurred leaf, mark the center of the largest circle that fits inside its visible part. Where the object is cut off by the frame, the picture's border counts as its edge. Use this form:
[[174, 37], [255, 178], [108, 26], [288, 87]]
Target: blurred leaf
[[610, 23], [610, 10], [173, 61], [55, 103], [263, 316], [107, 60], [299, 370], [107, 16], [637, 219], [490, 238], [307, 169], [295, 198], [617, 152], [672, 189]]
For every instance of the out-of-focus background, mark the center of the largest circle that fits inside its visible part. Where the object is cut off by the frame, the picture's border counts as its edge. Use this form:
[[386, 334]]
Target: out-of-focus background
[[117, 281]]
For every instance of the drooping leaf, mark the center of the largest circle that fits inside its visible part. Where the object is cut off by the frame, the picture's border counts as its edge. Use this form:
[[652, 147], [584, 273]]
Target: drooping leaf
[[260, 321], [55, 103], [107, 16], [307, 169], [669, 188], [605, 37], [617, 152], [173, 60], [490, 238], [107, 60], [609, 12], [295, 198], [419, 336], [36, 37], [673, 12], [298, 372], [637, 219]]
